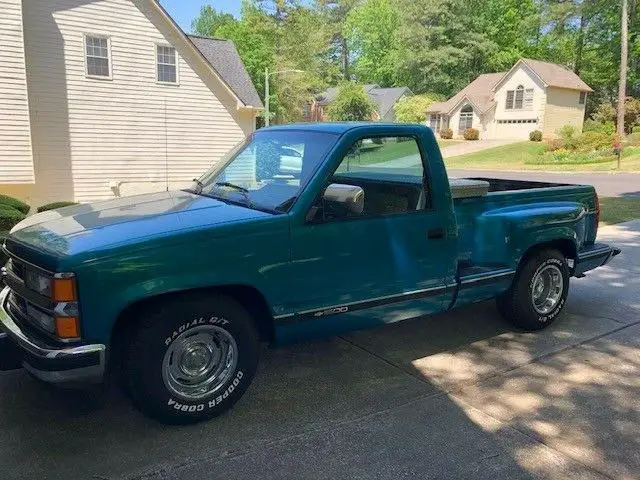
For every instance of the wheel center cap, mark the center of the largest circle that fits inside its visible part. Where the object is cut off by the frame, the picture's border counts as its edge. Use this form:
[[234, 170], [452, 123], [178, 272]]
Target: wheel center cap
[[195, 360]]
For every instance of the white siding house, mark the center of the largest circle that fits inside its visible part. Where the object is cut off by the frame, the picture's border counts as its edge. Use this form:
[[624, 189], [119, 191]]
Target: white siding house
[[16, 160], [533, 95], [121, 101]]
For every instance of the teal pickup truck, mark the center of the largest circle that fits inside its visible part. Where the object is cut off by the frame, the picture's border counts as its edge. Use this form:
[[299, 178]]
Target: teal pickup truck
[[299, 232]]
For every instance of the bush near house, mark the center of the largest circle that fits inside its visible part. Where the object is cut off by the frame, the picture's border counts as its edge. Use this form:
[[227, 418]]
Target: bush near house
[[535, 136], [591, 125], [553, 144], [446, 134], [9, 217], [54, 205], [471, 134], [15, 203]]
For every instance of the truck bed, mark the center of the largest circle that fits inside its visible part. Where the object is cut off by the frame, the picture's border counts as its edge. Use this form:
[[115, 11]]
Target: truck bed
[[475, 214]]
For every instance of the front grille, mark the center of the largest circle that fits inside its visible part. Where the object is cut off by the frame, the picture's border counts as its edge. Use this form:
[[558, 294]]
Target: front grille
[[16, 267]]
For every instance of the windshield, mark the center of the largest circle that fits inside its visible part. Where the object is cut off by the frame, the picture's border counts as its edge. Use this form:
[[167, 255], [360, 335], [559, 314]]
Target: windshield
[[268, 171]]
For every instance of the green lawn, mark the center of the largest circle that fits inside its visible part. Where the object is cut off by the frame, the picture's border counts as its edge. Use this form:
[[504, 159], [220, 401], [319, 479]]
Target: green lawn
[[371, 153], [526, 156], [616, 210]]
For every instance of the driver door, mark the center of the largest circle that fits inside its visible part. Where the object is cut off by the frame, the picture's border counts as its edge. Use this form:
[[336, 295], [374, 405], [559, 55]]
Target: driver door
[[382, 265]]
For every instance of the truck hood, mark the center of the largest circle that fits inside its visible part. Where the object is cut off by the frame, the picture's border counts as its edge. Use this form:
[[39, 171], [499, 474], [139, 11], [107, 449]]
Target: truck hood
[[94, 226]]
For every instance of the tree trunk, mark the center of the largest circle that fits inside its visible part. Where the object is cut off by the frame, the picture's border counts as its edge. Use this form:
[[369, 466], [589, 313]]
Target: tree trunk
[[579, 44], [624, 58], [344, 57]]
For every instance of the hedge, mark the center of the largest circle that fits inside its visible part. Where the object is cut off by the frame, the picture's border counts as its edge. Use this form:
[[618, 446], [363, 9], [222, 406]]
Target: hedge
[[54, 205], [15, 203], [9, 216]]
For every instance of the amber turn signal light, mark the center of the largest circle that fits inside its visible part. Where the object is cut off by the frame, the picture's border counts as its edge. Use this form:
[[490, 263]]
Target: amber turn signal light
[[67, 327], [63, 290]]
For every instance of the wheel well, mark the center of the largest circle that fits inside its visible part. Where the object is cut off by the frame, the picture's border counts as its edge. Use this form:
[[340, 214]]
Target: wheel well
[[249, 297], [565, 246]]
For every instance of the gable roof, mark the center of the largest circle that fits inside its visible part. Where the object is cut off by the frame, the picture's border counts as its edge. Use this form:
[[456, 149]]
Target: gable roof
[[383, 98], [152, 8], [551, 74], [479, 93], [224, 58], [386, 98]]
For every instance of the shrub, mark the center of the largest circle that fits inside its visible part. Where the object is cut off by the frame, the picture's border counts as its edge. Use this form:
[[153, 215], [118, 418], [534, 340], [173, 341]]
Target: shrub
[[471, 134], [590, 141], [15, 203], [54, 205], [635, 129], [634, 139], [446, 134], [554, 144], [9, 216], [561, 155], [596, 126], [535, 136]]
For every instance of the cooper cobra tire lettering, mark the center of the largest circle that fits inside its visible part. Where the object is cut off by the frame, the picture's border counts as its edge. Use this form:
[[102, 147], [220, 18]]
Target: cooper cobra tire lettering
[[211, 403]]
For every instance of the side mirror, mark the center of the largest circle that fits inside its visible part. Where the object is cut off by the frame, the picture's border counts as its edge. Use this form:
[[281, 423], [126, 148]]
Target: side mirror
[[348, 198]]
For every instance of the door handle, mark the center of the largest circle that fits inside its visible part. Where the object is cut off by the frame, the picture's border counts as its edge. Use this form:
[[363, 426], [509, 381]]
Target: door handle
[[435, 234]]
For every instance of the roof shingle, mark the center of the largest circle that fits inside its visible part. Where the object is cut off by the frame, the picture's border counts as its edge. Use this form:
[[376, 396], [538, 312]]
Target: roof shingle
[[224, 58]]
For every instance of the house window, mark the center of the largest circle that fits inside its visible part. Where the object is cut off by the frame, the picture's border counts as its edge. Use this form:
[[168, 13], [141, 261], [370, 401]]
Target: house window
[[519, 98], [583, 98], [97, 56], [166, 64], [509, 105], [466, 119]]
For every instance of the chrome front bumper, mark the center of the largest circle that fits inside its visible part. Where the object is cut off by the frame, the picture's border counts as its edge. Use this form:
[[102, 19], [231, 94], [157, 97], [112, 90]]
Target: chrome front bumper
[[84, 364]]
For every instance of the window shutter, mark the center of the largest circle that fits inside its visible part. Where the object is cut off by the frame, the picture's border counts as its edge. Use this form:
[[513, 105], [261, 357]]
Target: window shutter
[[528, 98]]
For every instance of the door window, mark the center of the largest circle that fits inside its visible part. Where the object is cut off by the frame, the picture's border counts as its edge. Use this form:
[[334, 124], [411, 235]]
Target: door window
[[389, 171]]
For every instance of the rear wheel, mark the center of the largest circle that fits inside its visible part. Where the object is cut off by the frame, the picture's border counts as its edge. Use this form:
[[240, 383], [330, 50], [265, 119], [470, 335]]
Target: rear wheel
[[191, 358], [538, 293]]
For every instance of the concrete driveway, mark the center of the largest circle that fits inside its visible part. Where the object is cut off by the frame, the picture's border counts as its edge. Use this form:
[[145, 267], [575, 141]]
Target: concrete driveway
[[459, 395]]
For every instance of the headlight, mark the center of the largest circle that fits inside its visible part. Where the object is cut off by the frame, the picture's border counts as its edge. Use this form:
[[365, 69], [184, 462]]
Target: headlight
[[46, 322], [63, 321], [38, 282]]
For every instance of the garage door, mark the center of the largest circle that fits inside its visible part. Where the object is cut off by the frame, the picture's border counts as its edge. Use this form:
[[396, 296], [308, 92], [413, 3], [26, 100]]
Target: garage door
[[515, 128]]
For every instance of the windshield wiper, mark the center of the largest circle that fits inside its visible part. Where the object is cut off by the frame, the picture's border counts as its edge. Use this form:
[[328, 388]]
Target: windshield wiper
[[232, 185]]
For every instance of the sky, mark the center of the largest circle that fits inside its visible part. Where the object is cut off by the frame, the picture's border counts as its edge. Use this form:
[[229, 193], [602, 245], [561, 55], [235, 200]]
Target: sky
[[184, 11]]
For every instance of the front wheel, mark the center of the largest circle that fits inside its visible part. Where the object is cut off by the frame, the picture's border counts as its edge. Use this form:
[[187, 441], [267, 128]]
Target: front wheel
[[538, 293], [191, 358]]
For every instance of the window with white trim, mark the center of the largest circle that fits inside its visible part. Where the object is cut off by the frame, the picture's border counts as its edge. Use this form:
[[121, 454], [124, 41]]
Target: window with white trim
[[97, 56], [466, 119], [166, 64], [519, 99], [583, 98]]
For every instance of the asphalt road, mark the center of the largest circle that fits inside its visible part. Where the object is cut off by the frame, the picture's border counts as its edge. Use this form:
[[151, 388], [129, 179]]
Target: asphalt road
[[459, 395], [607, 184]]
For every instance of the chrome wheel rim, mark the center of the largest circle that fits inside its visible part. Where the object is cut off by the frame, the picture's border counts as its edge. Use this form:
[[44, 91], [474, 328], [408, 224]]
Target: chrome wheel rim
[[548, 285], [199, 362]]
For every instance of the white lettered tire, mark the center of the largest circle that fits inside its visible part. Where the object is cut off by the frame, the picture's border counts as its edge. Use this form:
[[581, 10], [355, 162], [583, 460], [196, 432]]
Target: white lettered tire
[[190, 357], [538, 293]]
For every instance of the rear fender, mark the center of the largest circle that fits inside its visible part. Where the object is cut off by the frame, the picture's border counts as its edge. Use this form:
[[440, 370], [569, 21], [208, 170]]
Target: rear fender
[[504, 235]]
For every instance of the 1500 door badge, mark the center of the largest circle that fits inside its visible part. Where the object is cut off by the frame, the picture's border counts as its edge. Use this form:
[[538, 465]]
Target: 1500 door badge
[[331, 311]]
